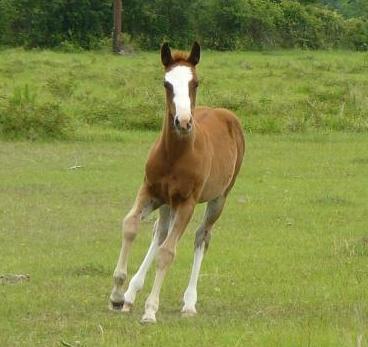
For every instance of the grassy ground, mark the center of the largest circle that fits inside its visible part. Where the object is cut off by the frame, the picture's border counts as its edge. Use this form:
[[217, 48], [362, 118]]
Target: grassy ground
[[49, 94], [287, 265]]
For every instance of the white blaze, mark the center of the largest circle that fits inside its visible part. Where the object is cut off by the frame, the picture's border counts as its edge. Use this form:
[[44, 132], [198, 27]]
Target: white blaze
[[179, 77]]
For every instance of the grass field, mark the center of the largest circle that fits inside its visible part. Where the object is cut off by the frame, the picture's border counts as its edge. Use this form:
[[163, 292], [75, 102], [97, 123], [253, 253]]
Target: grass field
[[50, 94], [287, 266]]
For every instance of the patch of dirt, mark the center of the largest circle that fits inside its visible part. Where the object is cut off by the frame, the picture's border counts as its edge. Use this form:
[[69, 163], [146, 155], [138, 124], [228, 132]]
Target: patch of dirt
[[13, 279]]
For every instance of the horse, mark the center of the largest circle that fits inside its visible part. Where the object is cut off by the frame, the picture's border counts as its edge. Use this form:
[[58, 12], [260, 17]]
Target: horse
[[195, 159]]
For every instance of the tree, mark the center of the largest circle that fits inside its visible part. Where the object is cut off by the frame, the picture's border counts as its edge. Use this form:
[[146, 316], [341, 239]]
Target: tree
[[116, 35]]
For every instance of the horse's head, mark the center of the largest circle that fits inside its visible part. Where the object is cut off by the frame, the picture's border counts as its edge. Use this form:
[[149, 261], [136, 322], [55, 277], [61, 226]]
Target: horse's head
[[181, 85]]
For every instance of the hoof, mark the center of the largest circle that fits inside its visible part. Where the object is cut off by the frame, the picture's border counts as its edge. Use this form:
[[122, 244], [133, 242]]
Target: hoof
[[185, 312], [116, 306], [127, 307], [146, 320]]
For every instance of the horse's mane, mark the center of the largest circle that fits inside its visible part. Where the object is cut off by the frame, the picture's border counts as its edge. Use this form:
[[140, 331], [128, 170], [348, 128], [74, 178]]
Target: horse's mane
[[180, 56]]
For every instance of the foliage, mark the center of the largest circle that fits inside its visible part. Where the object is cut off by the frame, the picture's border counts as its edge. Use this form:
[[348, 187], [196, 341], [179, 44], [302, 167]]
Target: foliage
[[218, 24], [237, 24], [357, 34], [356, 8], [150, 22], [36, 23], [21, 116]]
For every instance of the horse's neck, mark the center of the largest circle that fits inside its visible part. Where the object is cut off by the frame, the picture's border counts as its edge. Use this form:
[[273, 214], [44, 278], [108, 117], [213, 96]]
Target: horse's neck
[[175, 145]]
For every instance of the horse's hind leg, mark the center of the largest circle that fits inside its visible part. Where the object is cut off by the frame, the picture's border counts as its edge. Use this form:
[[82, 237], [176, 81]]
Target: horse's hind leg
[[160, 230], [165, 256], [143, 205], [202, 239]]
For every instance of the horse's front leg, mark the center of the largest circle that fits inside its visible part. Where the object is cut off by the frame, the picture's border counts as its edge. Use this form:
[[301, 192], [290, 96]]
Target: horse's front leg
[[160, 231], [165, 256], [144, 204]]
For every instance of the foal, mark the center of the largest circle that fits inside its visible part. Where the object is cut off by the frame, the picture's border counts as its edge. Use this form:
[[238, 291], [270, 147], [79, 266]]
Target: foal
[[196, 159]]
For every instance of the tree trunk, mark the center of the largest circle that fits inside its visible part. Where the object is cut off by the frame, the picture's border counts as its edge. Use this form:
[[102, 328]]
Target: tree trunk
[[116, 35]]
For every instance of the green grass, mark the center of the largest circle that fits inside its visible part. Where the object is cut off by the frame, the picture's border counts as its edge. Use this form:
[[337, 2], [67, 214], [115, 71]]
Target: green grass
[[272, 92], [287, 265]]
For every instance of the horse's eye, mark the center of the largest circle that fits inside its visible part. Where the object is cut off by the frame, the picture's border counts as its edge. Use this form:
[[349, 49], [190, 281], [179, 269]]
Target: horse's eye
[[195, 84], [167, 85]]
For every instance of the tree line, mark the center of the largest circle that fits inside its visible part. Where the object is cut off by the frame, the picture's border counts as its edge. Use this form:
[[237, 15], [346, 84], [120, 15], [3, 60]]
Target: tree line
[[217, 24]]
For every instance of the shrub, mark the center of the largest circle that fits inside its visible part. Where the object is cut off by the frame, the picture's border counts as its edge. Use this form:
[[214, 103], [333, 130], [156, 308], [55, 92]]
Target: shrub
[[122, 114], [22, 117], [356, 36], [219, 24]]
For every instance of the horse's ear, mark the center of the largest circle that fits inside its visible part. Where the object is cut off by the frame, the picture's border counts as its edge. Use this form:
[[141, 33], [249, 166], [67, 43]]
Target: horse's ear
[[166, 57], [195, 54]]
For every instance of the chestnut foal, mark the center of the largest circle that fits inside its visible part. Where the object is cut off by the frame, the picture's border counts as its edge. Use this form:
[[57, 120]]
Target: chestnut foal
[[196, 159]]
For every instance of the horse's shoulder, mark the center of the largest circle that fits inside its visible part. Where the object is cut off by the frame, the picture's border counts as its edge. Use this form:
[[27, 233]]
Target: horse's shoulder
[[155, 155], [202, 112], [222, 115]]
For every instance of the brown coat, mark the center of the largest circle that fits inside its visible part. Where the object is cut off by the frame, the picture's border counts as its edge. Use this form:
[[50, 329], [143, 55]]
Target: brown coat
[[196, 158]]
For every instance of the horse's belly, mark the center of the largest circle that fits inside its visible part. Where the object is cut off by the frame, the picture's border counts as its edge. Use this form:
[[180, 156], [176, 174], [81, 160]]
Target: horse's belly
[[217, 183]]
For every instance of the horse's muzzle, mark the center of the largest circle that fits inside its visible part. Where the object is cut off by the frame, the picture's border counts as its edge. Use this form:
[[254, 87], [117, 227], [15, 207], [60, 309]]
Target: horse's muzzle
[[183, 124]]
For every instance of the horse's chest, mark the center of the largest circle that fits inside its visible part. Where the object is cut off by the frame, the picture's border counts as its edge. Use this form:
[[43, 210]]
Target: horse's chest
[[174, 187]]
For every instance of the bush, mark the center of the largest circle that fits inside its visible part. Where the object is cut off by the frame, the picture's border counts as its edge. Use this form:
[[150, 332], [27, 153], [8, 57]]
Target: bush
[[219, 24], [356, 36], [122, 114], [22, 117], [237, 24], [34, 23], [151, 22], [298, 28]]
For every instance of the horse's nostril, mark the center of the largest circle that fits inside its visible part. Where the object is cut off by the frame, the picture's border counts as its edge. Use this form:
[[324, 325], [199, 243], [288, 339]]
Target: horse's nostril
[[185, 125]]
